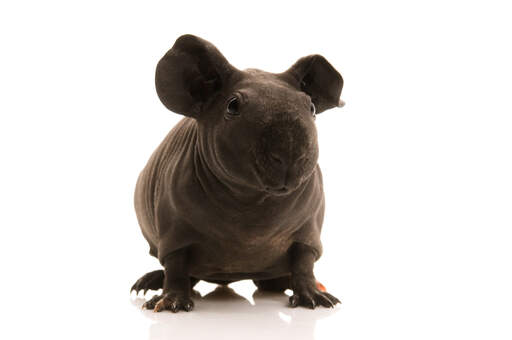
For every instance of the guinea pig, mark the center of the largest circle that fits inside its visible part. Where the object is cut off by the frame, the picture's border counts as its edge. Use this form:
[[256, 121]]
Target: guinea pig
[[234, 191]]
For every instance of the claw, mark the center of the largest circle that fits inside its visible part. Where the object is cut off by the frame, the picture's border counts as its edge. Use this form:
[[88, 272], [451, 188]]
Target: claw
[[332, 298], [188, 307], [294, 301], [324, 301], [310, 303], [159, 306]]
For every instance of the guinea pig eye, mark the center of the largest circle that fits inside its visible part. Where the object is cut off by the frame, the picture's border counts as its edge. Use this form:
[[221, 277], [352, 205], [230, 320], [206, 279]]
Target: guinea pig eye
[[312, 108], [233, 107]]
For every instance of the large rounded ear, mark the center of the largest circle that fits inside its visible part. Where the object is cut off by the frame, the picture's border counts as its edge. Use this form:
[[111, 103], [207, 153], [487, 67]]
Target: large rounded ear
[[190, 74], [316, 77]]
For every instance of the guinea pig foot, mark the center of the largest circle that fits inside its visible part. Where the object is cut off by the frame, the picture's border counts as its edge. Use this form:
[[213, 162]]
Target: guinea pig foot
[[169, 301], [150, 304], [153, 280], [311, 298]]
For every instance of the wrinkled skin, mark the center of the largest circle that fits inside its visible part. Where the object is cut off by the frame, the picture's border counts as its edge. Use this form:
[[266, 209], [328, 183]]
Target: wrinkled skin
[[234, 191]]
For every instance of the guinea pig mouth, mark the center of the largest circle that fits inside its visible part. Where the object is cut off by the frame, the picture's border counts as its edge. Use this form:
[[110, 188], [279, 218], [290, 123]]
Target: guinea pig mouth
[[262, 175], [278, 191]]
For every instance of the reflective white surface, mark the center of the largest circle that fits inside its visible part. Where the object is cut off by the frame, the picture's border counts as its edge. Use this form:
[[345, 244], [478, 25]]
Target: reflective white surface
[[224, 313]]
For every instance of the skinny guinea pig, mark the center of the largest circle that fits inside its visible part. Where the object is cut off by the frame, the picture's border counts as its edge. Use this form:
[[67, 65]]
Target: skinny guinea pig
[[234, 191]]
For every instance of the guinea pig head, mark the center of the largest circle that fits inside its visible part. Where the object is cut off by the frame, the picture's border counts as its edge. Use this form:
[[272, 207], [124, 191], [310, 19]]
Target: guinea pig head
[[255, 129]]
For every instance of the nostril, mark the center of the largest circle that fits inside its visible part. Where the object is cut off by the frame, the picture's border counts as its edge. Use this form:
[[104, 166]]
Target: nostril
[[276, 158]]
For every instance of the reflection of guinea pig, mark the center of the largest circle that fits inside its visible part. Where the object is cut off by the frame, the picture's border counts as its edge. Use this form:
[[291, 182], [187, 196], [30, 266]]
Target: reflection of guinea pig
[[234, 191]]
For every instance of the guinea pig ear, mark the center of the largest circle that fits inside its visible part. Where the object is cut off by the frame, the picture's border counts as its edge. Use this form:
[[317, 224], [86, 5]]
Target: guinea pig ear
[[316, 77], [190, 74]]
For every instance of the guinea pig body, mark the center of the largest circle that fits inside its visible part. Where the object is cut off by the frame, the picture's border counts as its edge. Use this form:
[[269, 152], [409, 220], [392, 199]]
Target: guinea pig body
[[234, 191], [179, 204]]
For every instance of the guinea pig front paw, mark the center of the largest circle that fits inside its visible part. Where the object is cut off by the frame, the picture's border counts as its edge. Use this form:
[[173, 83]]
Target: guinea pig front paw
[[310, 296], [169, 301]]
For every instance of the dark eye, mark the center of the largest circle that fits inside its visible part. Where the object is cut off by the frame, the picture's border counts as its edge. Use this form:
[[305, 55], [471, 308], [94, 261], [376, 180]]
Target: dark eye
[[312, 108], [233, 107]]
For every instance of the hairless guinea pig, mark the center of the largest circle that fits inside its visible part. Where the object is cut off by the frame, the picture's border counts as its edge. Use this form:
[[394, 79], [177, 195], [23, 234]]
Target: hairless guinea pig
[[234, 191]]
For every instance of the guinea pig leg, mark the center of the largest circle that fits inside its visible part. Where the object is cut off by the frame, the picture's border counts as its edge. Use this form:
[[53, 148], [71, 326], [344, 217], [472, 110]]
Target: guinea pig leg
[[176, 287], [305, 291]]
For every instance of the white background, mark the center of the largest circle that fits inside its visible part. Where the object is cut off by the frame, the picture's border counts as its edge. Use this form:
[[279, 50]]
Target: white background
[[417, 166]]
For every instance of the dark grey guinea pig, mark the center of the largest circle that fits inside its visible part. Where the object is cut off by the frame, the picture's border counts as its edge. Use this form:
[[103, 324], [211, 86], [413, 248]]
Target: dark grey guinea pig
[[234, 191]]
